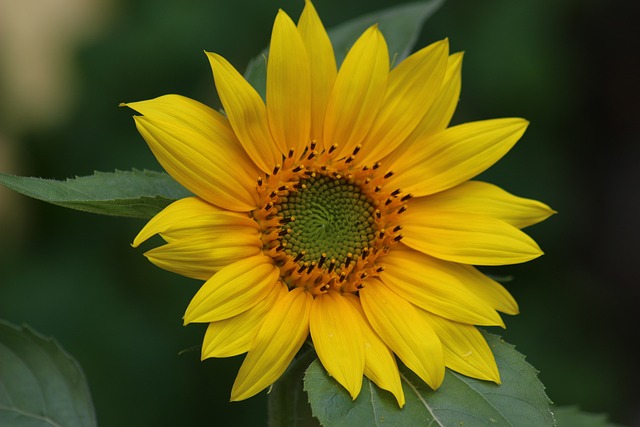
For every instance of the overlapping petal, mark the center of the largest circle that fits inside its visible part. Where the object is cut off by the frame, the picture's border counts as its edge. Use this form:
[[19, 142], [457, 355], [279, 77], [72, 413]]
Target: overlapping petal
[[436, 286], [358, 93], [467, 239], [337, 333], [380, 364], [411, 89], [233, 290], [405, 331], [457, 154], [233, 336], [464, 237], [193, 216], [201, 256], [246, 112], [484, 199], [281, 335], [288, 87], [198, 155], [323, 67], [465, 349]]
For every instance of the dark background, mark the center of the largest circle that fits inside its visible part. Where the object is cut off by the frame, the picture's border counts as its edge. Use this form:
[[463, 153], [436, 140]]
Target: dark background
[[570, 67]]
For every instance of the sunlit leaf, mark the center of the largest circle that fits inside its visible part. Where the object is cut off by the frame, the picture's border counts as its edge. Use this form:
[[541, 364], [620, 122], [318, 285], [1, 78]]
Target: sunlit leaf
[[138, 194], [461, 401]]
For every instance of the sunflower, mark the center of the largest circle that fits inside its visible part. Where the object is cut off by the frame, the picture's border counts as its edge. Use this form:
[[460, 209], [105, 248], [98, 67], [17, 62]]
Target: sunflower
[[340, 210]]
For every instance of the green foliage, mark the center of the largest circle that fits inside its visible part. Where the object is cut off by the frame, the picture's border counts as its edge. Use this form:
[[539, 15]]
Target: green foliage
[[137, 194], [460, 401], [288, 402], [572, 417], [40, 384], [401, 26]]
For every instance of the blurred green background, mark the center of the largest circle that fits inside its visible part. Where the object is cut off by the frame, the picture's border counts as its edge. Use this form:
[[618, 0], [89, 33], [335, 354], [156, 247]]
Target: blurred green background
[[570, 67]]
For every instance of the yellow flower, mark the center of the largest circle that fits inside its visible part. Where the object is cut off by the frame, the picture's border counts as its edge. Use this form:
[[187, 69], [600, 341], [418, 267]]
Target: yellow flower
[[341, 209]]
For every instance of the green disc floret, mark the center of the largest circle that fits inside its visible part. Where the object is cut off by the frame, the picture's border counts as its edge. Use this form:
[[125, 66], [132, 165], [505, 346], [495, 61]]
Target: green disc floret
[[331, 216]]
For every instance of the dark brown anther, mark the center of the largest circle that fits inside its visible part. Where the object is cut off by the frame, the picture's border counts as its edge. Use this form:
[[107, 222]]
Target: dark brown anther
[[406, 197], [312, 155], [312, 146], [397, 228], [377, 189], [365, 252], [398, 238], [332, 265], [323, 258], [395, 192], [287, 219], [299, 256], [273, 194], [388, 201], [357, 149], [348, 260], [379, 269], [360, 286], [343, 276], [296, 169], [402, 209], [349, 159], [333, 148], [291, 153], [311, 267], [381, 234], [268, 206], [302, 267], [378, 213], [388, 175], [281, 247], [284, 232], [377, 165], [365, 168]]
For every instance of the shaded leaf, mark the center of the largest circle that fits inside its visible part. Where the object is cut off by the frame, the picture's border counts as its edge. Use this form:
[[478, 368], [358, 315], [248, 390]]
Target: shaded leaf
[[288, 402], [401, 26], [460, 401], [40, 384], [571, 416], [138, 194]]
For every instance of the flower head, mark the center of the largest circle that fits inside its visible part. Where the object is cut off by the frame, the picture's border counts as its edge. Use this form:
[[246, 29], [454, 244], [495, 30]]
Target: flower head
[[341, 209]]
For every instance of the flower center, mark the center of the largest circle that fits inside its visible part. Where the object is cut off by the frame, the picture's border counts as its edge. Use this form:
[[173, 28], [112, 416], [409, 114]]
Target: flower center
[[333, 219], [325, 221]]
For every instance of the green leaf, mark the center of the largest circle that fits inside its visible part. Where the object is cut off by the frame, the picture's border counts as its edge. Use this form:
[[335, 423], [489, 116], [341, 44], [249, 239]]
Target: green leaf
[[460, 401], [571, 416], [40, 384], [137, 194], [288, 402], [401, 26]]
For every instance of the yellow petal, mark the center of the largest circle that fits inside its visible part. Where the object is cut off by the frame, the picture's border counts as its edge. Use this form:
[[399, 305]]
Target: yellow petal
[[233, 336], [358, 93], [323, 67], [439, 115], [436, 286], [481, 198], [412, 87], [465, 238], [336, 330], [380, 364], [199, 164], [201, 256], [489, 290], [233, 290], [192, 216], [465, 349], [455, 155], [247, 113], [283, 331], [288, 87], [405, 331]]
